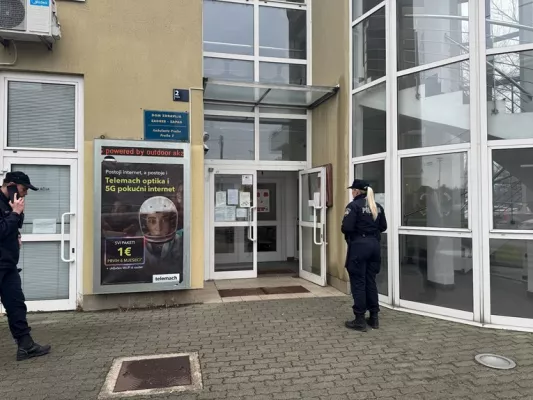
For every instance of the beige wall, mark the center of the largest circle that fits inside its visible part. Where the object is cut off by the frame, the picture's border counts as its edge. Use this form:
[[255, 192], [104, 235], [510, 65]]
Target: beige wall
[[131, 56], [331, 119]]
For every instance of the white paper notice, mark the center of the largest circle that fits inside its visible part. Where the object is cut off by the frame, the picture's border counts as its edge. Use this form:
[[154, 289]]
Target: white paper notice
[[248, 180], [242, 213], [44, 226], [233, 197], [230, 214], [245, 200], [220, 199], [220, 214]]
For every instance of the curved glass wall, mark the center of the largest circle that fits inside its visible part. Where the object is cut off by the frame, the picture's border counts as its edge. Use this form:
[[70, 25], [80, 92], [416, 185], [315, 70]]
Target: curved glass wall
[[441, 125]]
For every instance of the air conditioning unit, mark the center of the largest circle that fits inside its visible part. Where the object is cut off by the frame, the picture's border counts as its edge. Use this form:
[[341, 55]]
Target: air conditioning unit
[[29, 20]]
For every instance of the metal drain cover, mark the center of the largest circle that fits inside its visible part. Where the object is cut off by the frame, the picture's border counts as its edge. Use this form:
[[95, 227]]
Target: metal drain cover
[[495, 361], [152, 375]]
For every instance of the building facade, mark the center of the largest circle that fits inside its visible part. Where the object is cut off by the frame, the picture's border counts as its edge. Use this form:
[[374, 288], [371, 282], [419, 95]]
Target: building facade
[[279, 104]]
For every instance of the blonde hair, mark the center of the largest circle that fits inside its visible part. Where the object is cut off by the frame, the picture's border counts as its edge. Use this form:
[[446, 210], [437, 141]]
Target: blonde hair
[[371, 202]]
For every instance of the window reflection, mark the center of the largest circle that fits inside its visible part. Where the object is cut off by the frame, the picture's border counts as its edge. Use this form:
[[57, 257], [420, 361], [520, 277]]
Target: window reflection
[[437, 271], [228, 28], [369, 62], [230, 138], [430, 31], [510, 23], [512, 185], [293, 74], [511, 278], [369, 124], [434, 191], [283, 139], [423, 96], [282, 33], [510, 95], [360, 7], [229, 70]]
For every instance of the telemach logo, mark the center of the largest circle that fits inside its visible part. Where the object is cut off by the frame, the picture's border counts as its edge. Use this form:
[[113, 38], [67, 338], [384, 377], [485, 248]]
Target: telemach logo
[[166, 278]]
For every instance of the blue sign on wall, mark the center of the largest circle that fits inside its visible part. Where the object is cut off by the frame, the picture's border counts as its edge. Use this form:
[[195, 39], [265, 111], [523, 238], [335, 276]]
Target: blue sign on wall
[[40, 3], [166, 125]]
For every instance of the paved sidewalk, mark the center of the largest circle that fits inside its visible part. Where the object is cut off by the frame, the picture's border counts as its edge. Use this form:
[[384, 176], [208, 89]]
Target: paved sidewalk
[[278, 349]]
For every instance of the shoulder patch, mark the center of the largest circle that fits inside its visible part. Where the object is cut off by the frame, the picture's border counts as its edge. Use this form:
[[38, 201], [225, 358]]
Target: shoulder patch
[[347, 211]]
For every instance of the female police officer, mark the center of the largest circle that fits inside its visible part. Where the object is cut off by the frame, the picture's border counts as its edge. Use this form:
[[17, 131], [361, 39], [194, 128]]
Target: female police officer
[[364, 221]]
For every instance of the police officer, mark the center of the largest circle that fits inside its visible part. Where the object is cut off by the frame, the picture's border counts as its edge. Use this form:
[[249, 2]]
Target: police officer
[[364, 221], [12, 193]]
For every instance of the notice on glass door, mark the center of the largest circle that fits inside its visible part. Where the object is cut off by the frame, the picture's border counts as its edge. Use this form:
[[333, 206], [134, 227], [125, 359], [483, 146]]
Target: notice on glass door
[[44, 226]]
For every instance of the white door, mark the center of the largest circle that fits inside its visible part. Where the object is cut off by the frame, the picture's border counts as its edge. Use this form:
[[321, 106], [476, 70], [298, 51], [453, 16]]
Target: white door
[[233, 216], [312, 225], [48, 255]]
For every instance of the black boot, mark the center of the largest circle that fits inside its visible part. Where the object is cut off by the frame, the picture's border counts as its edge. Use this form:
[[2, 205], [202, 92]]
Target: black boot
[[27, 349], [359, 324], [373, 321]]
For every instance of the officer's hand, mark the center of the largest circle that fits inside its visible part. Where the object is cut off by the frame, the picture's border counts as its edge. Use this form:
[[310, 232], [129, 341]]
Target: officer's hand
[[17, 205]]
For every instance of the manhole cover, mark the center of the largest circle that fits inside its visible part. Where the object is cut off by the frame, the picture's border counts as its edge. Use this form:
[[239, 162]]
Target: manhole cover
[[150, 375], [155, 373], [495, 361]]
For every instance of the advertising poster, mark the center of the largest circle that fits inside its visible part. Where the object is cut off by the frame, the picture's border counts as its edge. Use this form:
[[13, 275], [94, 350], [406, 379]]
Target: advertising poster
[[263, 201], [142, 214]]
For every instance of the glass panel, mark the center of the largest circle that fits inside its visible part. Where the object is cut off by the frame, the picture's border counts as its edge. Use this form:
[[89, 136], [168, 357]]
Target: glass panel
[[230, 138], [230, 256], [510, 96], [311, 253], [228, 28], [310, 190], [296, 98], [282, 33], [229, 70], [227, 107], [369, 61], [437, 271], [423, 96], [511, 283], [382, 278], [360, 7], [430, 31], [283, 139], [233, 94], [51, 200], [511, 23], [435, 191], [267, 239], [231, 196], [41, 115], [512, 189], [275, 110], [293, 74], [44, 276], [369, 127], [374, 174]]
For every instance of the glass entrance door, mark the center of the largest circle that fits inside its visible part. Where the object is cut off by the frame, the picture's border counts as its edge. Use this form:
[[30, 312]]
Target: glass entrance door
[[48, 255], [234, 224], [312, 225]]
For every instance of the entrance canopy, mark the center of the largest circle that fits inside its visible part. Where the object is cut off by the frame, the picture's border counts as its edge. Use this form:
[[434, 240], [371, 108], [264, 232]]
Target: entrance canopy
[[260, 94]]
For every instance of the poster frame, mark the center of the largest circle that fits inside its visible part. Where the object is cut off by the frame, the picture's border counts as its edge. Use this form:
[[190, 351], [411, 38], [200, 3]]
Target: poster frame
[[98, 288]]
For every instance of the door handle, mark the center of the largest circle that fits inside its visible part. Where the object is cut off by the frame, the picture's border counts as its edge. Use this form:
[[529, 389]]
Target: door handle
[[315, 228], [63, 238], [251, 231]]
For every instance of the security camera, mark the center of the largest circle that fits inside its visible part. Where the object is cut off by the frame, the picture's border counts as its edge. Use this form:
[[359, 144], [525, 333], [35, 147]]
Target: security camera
[[206, 138]]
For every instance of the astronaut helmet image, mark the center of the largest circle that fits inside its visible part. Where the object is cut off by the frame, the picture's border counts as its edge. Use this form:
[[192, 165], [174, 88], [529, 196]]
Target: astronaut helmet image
[[158, 218]]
